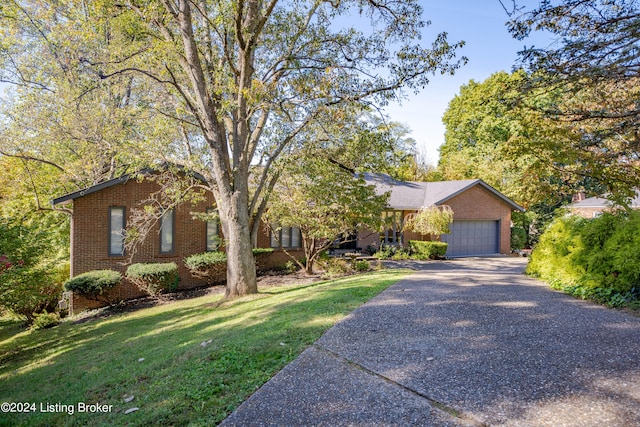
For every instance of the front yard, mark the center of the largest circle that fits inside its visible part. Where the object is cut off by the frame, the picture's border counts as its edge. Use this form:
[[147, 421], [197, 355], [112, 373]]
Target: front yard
[[188, 362]]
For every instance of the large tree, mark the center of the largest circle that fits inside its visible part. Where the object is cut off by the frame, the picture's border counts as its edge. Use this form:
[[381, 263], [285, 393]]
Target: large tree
[[244, 79], [325, 201], [593, 66]]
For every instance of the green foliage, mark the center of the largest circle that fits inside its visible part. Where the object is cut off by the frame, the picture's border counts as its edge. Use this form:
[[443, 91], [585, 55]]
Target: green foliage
[[205, 260], [325, 202], [31, 269], [290, 267], [94, 99], [518, 238], [154, 278], [45, 320], [597, 259], [94, 284], [427, 249], [386, 251], [208, 265], [361, 265], [335, 267], [261, 251], [431, 220]]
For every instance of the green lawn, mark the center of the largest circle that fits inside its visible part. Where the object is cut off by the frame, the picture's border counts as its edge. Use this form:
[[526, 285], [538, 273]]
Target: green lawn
[[157, 355]]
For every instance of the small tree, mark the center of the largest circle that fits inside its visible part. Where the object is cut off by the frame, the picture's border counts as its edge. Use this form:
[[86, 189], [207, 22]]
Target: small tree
[[325, 201], [432, 220]]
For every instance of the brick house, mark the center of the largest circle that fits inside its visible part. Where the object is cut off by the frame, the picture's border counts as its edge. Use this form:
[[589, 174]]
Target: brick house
[[100, 213], [481, 219], [592, 207]]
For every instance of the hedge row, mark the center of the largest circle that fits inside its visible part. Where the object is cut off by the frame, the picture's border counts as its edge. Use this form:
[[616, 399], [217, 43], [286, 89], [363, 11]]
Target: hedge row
[[596, 259], [151, 278]]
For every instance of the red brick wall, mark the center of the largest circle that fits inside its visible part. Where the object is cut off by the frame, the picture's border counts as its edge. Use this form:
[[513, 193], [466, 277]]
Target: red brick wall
[[588, 212], [478, 203], [90, 240], [90, 237]]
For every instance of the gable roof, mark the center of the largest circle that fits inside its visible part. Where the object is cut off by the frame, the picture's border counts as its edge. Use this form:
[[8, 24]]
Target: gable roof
[[115, 181], [406, 195], [603, 202]]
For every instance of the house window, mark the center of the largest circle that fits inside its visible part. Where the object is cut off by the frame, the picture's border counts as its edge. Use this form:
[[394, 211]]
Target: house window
[[116, 230], [167, 232], [213, 240], [286, 237], [392, 228]]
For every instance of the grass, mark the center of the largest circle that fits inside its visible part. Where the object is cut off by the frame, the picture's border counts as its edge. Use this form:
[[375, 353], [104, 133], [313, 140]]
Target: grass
[[191, 362]]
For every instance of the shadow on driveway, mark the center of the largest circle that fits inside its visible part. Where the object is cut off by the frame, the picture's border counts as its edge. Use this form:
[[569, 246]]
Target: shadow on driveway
[[463, 342]]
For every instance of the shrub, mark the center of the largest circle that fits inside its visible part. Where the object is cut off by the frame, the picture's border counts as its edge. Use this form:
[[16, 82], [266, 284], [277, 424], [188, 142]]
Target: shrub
[[427, 250], [45, 320], [154, 278], [518, 238], [361, 265], [94, 284], [209, 265], [593, 259], [257, 252], [206, 260], [391, 252], [290, 267], [553, 258], [27, 290], [336, 267]]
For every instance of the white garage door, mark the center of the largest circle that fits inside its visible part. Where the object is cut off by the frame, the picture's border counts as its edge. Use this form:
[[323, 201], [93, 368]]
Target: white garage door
[[472, 238]]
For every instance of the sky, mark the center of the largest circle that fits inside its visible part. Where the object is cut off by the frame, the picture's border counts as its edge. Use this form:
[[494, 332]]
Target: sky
[[489, 47]]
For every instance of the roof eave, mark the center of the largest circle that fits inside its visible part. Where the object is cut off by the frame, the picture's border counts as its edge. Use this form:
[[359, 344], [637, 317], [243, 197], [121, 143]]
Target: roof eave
[[486, 186]]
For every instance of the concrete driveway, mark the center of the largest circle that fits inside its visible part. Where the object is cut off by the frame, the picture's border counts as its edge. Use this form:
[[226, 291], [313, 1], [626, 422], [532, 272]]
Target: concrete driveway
[[462, 342]]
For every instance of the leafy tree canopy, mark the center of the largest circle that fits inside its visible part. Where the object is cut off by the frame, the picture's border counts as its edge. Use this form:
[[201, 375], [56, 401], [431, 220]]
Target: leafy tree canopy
[[239, 80], [593, 70]]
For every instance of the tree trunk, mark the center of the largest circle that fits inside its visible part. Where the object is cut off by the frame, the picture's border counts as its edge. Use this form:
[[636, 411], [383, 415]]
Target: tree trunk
[[241, 268]]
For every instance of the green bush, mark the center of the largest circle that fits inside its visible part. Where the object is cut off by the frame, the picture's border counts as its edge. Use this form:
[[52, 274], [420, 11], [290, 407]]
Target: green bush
[[94, 284], [336, 267], [33, 266], [595, 259], [553, 259], [262, 251], [387, 251], [208, 265], [427, 250], [205, 261], [361, 265], [45, 320], [154, 278], [518, 238]]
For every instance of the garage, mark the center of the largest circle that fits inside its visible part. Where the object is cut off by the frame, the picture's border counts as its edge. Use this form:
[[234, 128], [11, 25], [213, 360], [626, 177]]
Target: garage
[[473, 237]]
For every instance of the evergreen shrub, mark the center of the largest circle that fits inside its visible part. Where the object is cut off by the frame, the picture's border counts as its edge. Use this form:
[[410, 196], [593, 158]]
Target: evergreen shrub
[[424, 250], [154, 278], [94, 284]]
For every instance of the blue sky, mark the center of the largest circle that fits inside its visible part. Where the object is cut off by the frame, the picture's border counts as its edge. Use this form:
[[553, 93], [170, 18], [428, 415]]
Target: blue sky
[[489, 47]]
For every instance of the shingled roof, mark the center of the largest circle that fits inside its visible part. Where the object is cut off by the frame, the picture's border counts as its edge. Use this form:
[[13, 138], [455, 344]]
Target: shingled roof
[[405, 195]]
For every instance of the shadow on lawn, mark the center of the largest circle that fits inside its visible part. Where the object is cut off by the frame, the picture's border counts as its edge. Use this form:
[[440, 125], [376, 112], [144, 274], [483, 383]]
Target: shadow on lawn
[[174, 358]]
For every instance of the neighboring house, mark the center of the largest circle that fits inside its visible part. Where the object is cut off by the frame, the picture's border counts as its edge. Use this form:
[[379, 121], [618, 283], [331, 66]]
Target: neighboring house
[[103, 211], [593, 207], [481, 214], [481, 226]]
